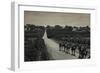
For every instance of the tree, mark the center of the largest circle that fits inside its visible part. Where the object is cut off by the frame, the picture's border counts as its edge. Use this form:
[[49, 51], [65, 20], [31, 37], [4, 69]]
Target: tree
[[68, 28], [58, 27]]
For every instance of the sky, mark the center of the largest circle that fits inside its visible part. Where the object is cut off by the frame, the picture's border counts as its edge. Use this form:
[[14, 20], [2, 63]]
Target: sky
[[56, 18]]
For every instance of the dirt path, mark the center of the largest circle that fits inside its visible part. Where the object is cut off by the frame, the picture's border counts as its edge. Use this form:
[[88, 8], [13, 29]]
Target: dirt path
[[53, 50]]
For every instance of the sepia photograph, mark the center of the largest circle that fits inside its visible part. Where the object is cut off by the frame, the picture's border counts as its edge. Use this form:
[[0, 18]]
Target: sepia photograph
[[56, 36]]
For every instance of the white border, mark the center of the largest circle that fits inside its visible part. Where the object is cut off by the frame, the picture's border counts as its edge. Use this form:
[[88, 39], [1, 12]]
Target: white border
[[18, 37]]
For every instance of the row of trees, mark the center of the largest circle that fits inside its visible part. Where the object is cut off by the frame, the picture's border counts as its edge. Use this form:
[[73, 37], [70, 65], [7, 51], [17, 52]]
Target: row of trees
[[68, 31], [34, 31], [56, 31], [70, 28]]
